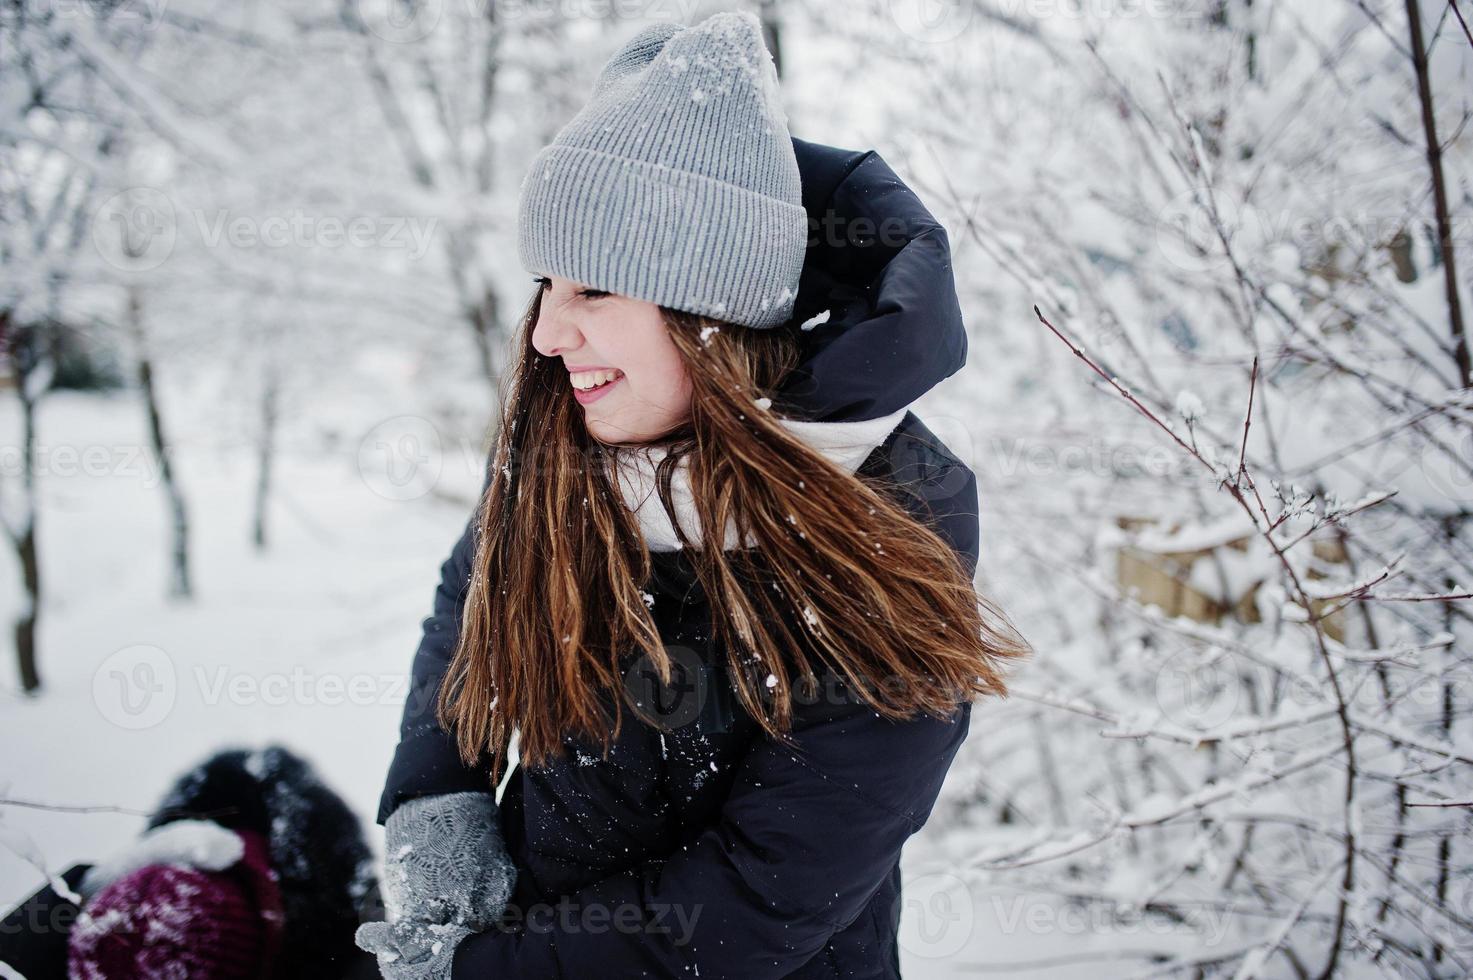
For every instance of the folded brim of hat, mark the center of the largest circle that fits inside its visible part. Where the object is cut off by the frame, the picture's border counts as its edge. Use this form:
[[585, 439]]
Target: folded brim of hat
[[181, 914], [663, 235]]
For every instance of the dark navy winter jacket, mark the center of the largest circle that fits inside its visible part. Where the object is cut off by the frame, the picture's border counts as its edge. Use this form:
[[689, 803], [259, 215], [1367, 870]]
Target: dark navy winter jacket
[[704, 848]]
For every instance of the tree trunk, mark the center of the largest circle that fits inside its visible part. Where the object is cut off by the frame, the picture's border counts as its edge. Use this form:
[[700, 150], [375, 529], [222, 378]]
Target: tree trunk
[[25, 550], [22, 349], [179, 584], [25, 623], [265, 456]]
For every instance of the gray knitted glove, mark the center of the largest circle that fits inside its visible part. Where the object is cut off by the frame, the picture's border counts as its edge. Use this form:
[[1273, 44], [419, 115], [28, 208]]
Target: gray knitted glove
[[446, 863], [408, 950]]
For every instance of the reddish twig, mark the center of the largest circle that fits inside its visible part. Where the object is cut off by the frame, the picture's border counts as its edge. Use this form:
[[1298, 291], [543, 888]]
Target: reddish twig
[[1247, 419], [1459, 15]]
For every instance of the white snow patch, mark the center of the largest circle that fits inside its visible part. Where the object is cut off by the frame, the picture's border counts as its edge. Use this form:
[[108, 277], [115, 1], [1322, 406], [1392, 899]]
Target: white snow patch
[[197, 843]]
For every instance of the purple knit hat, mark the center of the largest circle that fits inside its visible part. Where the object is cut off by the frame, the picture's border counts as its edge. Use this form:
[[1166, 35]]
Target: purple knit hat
[[187, 916]]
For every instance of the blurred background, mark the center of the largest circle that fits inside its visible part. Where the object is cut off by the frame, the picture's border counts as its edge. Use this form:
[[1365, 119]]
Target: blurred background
[[259, 280]]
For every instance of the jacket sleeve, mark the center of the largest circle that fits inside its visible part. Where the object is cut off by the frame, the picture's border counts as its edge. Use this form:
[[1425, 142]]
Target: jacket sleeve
[[805, 838], [426, 761]]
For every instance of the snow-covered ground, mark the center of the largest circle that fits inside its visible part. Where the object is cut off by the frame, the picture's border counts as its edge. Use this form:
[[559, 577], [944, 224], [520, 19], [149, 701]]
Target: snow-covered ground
[[307, 643]]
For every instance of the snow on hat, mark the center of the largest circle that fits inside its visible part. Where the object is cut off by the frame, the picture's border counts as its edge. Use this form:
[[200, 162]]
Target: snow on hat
[[677, 183], [190, 899]]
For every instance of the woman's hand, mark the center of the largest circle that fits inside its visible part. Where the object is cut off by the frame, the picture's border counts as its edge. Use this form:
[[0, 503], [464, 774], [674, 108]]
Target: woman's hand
[[446, 863], [408, 950]]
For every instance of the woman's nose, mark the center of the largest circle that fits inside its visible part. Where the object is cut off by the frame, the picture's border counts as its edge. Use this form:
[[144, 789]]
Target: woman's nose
[[555, 332]]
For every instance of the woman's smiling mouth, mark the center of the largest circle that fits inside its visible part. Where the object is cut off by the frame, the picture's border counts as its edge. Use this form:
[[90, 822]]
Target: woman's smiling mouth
[[590, 386]]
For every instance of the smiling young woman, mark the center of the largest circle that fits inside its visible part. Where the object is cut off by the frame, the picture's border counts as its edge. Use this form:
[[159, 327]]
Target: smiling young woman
[[900, 618], [732, 528], [645, 391]]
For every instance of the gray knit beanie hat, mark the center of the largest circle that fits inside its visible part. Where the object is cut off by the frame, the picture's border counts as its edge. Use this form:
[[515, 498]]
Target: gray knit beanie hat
[[677, 182]]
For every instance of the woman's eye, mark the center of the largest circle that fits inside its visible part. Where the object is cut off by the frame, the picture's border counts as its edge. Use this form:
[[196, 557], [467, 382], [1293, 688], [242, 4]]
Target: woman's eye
[[546, 284]]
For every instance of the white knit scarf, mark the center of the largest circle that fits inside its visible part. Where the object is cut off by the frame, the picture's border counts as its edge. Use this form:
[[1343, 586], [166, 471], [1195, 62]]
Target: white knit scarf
[[848, 444]]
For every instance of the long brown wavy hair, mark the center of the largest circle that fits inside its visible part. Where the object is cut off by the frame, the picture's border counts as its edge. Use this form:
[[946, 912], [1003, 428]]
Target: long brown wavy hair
[[555, 598]]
